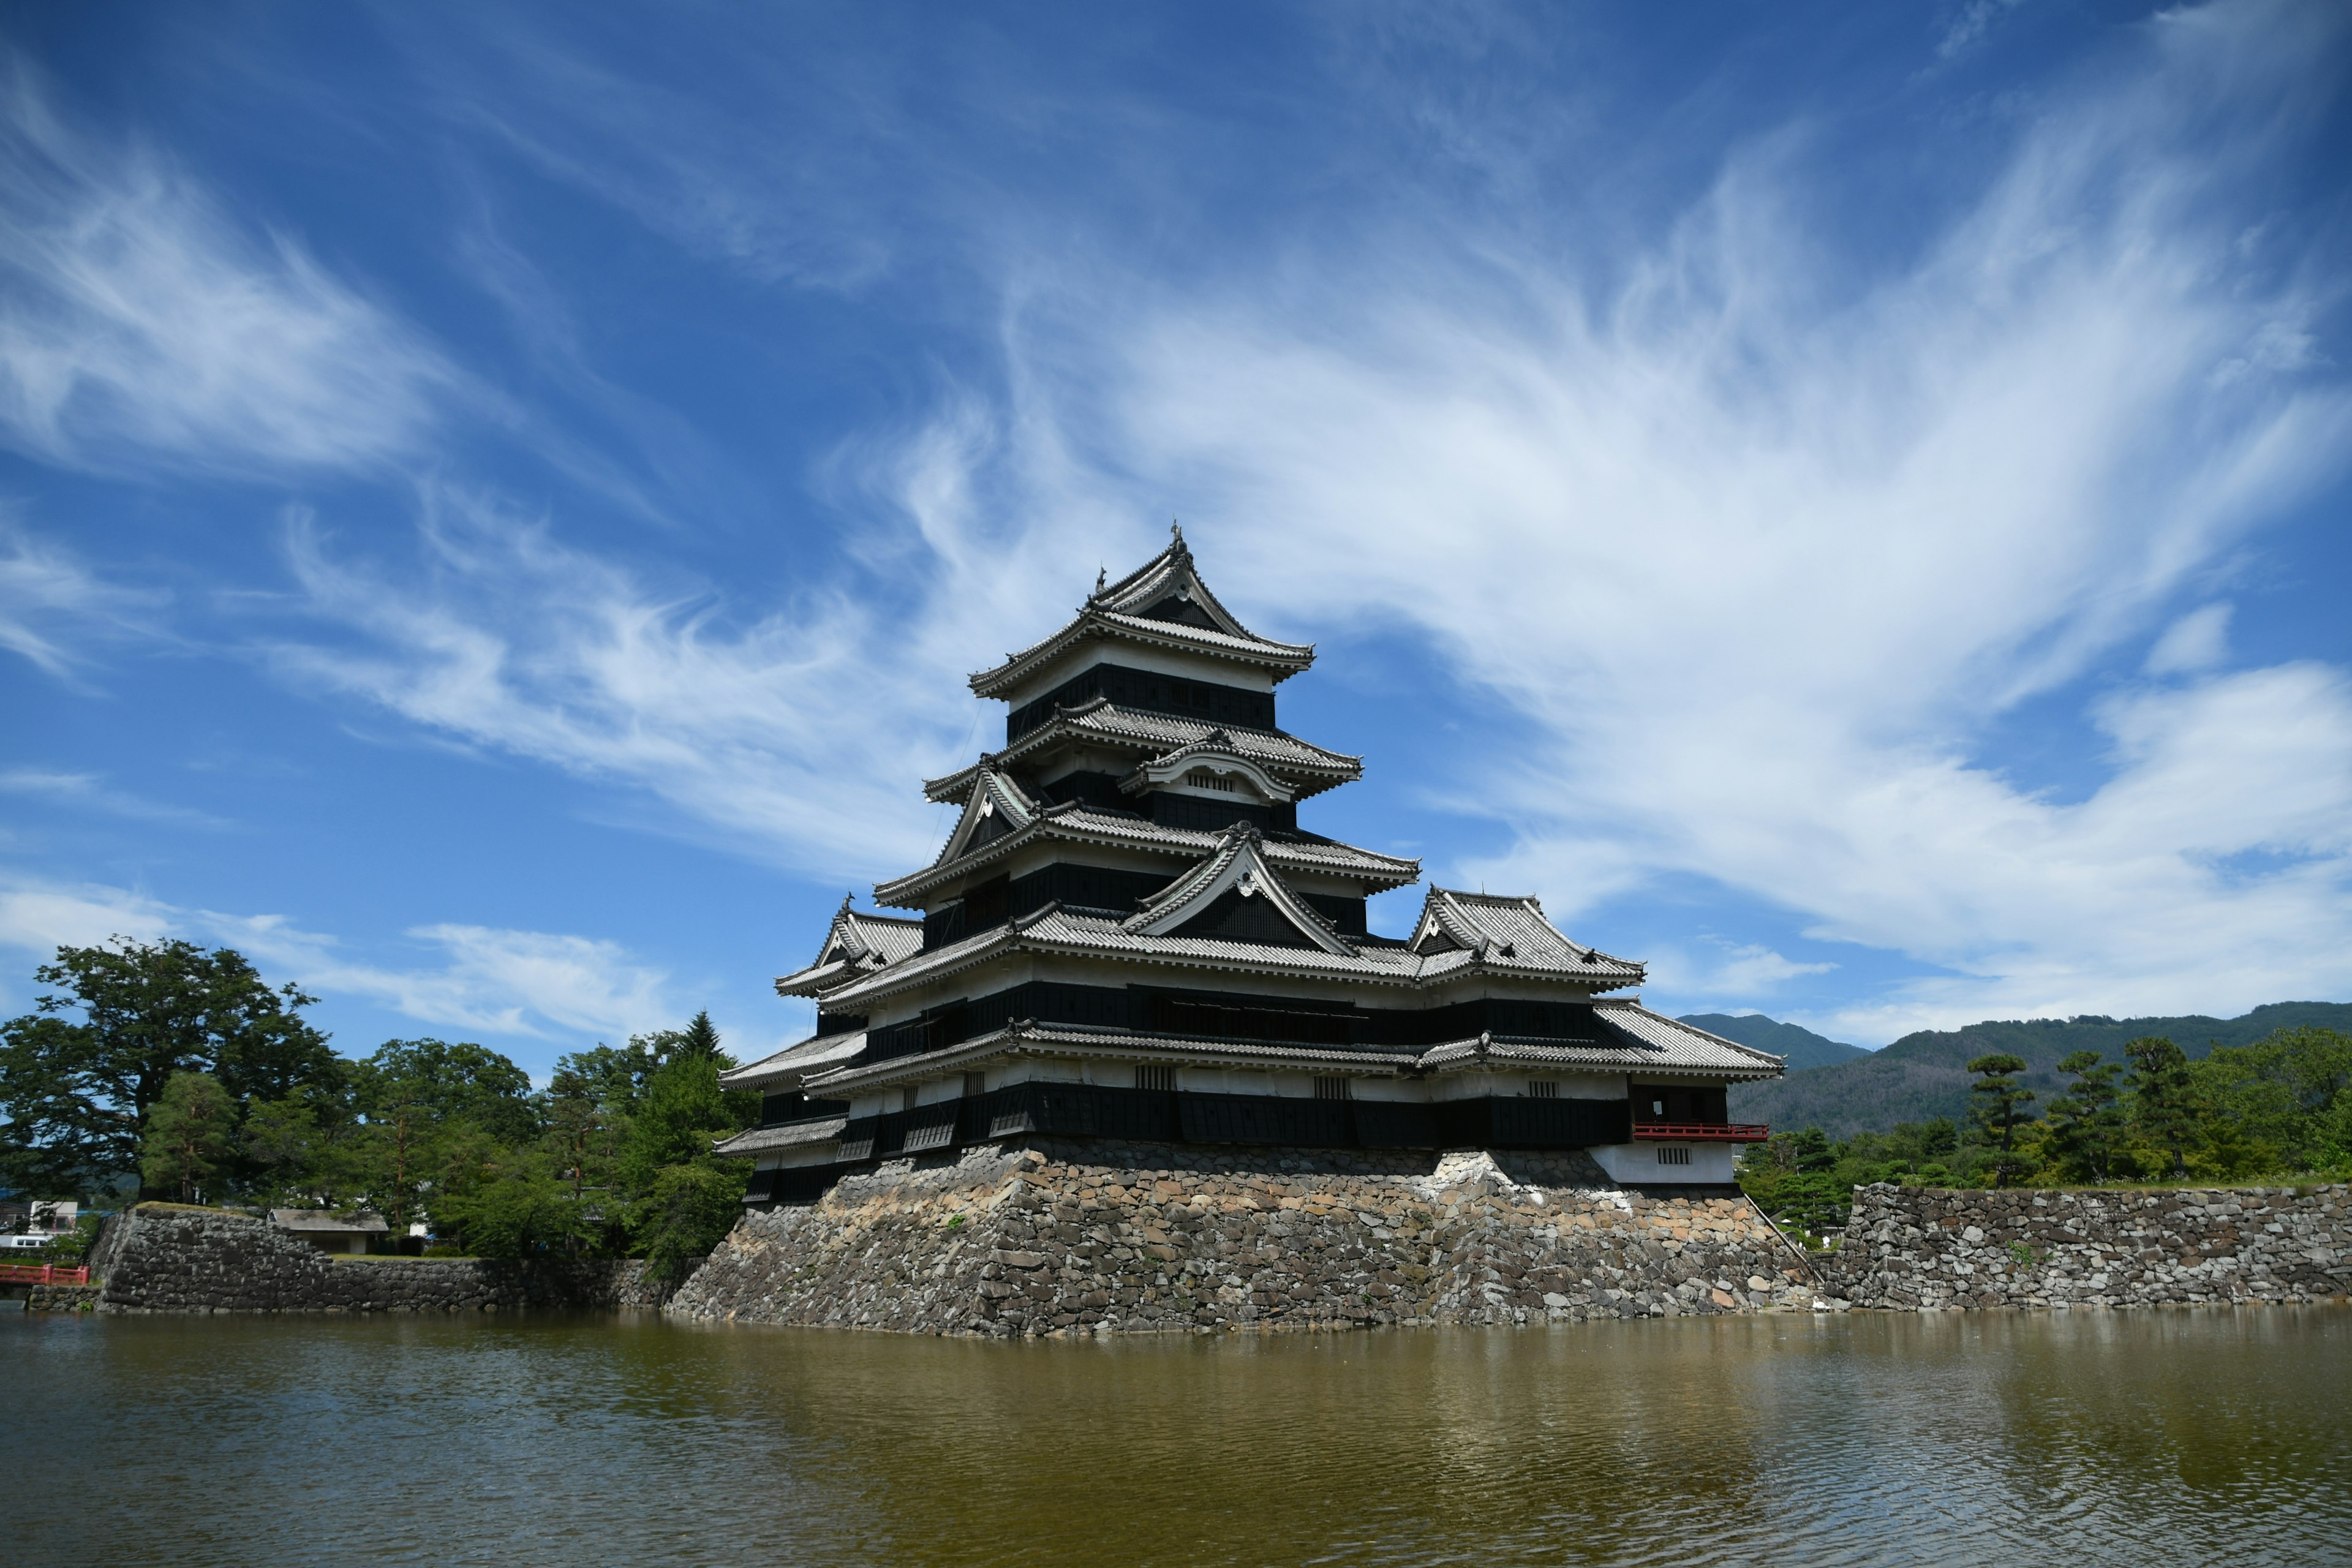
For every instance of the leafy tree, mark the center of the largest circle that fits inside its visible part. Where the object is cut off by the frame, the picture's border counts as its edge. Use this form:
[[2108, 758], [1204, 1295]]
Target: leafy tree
[[2086, 1123], [2165, 1102], [2273, 1105], [614, 1076], [282, 1142], [683, 1109], [689, 1211], [1997, 1108], [189, 1131], [76, 1094], [445, 1083], [521, 1210]]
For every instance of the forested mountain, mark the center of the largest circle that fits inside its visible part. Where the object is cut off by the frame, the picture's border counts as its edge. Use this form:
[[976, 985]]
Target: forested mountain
[[1926, 1075], [1803, 1048]]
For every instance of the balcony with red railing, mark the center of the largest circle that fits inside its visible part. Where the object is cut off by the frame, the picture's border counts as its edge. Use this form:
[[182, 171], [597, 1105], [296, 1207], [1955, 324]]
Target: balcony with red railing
[[1701, 1131]]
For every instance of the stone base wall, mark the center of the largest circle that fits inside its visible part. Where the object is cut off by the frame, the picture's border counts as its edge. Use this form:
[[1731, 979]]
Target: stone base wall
[[1051, 1237], [1912, 1249], [160, 1257], [61, 1298]]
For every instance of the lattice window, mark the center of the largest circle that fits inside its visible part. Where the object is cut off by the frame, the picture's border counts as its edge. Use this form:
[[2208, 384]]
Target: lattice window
[[1333, 1089], [1543, 1089], [1673, 1156], [1202, 778], [975, 1084], [1160, 1079], [906, 1098]]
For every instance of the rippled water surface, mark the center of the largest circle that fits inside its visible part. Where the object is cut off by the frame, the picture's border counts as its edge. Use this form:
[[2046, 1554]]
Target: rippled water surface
[[2185, 1437]]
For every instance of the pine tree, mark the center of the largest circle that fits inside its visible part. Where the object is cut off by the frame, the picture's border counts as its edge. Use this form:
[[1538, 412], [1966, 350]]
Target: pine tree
[[2086, 1122], [1997, 1108], [2164, 1098], [190, 1130]]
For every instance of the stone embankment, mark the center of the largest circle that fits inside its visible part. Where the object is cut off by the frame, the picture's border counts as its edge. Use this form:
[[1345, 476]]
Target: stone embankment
[[163, 1258], [1911, 1248], [61, 1299], [1108, 1237]]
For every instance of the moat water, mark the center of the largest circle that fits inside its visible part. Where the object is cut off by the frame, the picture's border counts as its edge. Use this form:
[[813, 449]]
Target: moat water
[[2195, 1437]]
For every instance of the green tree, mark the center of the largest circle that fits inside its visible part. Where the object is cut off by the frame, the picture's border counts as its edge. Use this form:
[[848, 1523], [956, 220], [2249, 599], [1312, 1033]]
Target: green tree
[[1997, 1108], [282, 1144], [78, 1076], [2166, 1105], [2086, 1123], [689, 1211], [2271, 1105], [521, 1209], [190, 1130], [444, 1084], [683, 1112]]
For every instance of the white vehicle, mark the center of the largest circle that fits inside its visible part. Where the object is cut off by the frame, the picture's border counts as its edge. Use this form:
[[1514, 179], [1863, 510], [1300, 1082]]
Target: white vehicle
[[25, 1243]]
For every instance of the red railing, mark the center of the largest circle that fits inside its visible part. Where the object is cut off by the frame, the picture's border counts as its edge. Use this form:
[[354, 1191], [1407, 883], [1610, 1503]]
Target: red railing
[[1703, 1132], [42, 1273]]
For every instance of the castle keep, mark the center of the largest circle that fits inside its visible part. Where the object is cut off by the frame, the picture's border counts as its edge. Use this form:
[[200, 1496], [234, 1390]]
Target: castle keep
[[1132, 936]]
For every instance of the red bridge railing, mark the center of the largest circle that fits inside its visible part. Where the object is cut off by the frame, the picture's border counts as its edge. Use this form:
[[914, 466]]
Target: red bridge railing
[[42, 1273], [1703, 1132]]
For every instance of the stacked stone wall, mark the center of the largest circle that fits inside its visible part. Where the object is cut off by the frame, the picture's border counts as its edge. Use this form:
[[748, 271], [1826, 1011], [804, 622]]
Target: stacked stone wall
[[1104, 1237], [61, 1298], [1912, 1248], [160, 1257]]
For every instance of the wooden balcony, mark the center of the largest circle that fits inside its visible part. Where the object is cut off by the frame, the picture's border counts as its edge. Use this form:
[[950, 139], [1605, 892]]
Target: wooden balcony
[[1701, 1131]]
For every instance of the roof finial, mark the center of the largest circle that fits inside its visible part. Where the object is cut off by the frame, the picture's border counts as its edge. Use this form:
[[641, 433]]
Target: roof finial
[[1102, 576], [1177, 529]]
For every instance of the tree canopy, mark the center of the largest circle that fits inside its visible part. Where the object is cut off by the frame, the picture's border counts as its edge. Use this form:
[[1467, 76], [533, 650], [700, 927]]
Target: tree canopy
[[78, 1076]]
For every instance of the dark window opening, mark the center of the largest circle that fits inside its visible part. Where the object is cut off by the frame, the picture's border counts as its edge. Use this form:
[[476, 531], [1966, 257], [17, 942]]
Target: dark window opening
[[1705, 1107]]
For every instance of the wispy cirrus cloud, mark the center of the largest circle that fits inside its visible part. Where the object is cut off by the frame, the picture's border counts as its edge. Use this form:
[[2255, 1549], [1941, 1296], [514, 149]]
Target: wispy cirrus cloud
[[91, 792], [143, 327], [508, 983], [52, 605], [1762, 532]]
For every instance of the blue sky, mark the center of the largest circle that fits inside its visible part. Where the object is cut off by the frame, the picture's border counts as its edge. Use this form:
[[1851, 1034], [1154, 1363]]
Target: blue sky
[[1847, 504]]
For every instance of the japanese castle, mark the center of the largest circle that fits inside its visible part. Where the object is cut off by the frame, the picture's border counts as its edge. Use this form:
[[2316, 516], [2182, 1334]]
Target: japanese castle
[[1131, 934]]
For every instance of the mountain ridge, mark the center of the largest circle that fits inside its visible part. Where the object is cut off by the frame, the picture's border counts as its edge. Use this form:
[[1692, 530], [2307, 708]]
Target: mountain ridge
[[1803, 1048], [1925, 1074]]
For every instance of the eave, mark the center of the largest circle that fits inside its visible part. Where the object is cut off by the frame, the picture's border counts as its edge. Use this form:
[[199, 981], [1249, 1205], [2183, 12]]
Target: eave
[[1309, 769], [1069, 823]]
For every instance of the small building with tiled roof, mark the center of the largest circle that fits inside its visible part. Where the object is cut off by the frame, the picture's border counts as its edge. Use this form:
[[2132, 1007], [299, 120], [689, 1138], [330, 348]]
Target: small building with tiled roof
[[1129, 933]]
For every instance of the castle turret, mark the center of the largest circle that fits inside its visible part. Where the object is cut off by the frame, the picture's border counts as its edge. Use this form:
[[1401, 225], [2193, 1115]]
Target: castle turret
[[1130, 933]]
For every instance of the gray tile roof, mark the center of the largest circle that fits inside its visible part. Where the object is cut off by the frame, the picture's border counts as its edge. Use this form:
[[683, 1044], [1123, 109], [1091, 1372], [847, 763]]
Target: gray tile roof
[[1308, 768], [853, 944], [1056, 929], [365, 1222], [760, 1140], [1640, 1042], [1240, 866], [1509, 932], [1116, 611], [787, 1068], [1076, 824]]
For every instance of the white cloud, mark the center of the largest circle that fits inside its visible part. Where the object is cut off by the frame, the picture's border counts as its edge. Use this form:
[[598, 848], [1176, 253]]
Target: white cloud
[[44, 916], [479, 979], [510, 983], [1763, 562], [1762, 549], [800, 732], [45, 590], [2198, 640], [92, 792], [139, 325]]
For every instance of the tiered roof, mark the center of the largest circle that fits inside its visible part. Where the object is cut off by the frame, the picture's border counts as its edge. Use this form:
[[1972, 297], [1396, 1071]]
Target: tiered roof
[[1229, 915], [1163, 603]]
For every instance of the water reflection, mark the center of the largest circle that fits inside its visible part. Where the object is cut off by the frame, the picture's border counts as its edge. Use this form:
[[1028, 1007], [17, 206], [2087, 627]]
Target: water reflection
[[2101, 1438]]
